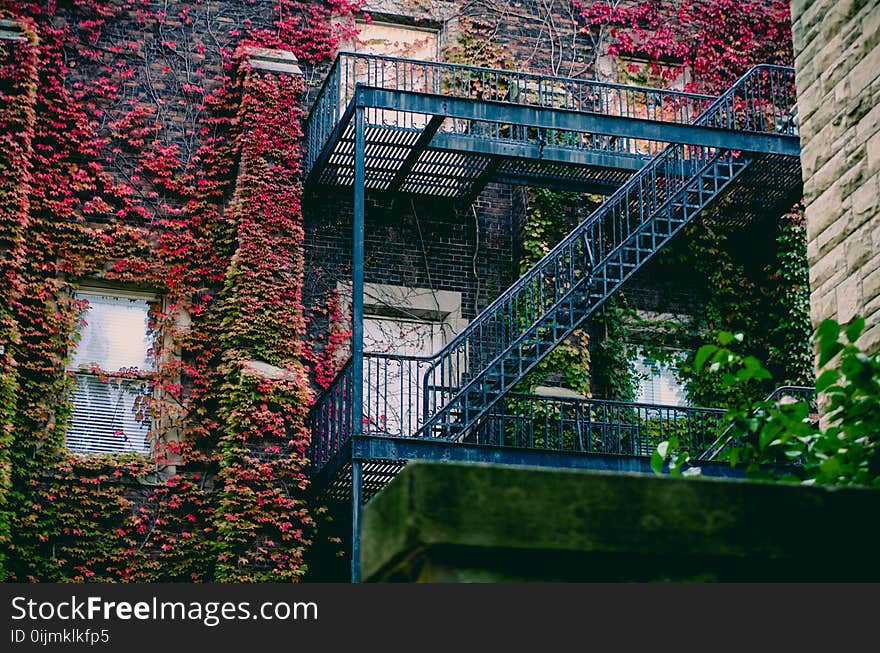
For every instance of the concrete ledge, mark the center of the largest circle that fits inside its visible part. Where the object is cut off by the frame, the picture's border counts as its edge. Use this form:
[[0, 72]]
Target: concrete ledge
[[451, 522], [276, 61], [11, 30]]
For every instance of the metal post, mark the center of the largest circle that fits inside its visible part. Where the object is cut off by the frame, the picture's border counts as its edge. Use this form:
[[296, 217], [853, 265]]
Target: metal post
[[357, 479], [357, 335]]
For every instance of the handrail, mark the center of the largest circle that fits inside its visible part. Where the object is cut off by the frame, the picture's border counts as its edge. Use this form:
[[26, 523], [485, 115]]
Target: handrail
[[722, 102], [807, 392], [594, 425], [330, 419], [346, 54], [391, 408], [494, 85]]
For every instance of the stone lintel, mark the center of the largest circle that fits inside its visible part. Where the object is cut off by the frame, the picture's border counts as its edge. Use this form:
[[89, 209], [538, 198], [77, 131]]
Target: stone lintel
[[276, 61]]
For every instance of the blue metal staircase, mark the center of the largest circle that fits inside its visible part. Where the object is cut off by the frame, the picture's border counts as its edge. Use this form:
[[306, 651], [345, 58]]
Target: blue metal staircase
[[396, 126], [520, 328], [449, 395]]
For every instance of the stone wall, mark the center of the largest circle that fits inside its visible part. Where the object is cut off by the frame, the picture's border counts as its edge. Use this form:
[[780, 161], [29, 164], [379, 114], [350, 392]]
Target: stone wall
[[442, 522], [837, 57], [416, 242]]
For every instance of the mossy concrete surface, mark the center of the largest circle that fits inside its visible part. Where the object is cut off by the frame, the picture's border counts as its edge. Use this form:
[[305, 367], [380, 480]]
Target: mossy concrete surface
[[452, 522]]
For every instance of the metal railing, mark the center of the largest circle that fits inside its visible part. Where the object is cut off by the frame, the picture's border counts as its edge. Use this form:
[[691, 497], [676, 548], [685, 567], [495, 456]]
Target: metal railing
[[595, 426], [392, 407], [675, 183], [795, 393], [490, 84], [782, 394], [330, 419], [763, 101], [391, 402], [393, 393]]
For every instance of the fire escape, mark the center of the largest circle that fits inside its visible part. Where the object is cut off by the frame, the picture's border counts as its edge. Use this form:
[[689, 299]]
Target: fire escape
[[662, 157]]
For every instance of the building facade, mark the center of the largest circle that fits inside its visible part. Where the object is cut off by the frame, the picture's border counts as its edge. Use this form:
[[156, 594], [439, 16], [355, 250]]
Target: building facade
[[178, 293], [838, 62]]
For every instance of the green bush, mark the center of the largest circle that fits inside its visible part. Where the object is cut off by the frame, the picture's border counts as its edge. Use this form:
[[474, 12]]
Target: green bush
[[783, 440]]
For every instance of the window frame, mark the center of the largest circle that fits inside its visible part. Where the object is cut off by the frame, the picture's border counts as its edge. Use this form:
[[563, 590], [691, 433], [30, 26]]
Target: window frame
[[140, 381], [403, 304], [636, 354]]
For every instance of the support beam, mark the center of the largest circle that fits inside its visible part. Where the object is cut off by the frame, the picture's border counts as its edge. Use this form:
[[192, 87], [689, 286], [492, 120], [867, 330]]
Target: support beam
[[389, 448], [596, 187], [579, 121], [357, 330], [357, 505], [445, 142], [418, 147]]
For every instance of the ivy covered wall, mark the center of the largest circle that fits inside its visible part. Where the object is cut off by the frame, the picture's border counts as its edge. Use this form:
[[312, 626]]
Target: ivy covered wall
[[141, 149]]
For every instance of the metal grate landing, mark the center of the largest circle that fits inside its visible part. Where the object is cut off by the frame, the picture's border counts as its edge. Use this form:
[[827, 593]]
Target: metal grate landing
[[770, 186], [439, 170], [377, 474]]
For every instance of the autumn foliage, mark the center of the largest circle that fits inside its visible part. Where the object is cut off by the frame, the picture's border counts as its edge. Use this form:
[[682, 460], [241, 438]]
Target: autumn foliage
[[716, 40], [137, 150]]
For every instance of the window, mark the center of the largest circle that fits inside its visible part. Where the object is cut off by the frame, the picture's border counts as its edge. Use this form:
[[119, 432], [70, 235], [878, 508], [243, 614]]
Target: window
[[656, 74], [402, 336], [393, 40], [402, 42], [110, 363], [394, 373], [657, 382], [402, 328]]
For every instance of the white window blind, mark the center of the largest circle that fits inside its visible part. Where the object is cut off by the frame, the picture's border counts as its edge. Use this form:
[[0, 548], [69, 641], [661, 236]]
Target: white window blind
[[109, 412], [109, 416], [114, 335], [658, 383]]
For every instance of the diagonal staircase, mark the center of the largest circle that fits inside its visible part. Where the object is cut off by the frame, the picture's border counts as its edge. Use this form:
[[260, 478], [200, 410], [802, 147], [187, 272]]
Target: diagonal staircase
[[520, 328]]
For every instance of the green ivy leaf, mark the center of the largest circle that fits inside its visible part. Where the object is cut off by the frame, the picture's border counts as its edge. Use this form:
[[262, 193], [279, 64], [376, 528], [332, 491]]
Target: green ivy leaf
[[855, 329], [657, 460], [831, 467], [827, 351], [825, 379], [703, 354]]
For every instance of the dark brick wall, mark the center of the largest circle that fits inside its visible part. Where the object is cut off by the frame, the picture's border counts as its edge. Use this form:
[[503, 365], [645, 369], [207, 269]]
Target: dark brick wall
[[415, 242], [663, 289]]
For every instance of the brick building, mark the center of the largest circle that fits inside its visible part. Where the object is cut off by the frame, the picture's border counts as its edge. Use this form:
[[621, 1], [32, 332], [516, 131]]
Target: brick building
[[154, 238]]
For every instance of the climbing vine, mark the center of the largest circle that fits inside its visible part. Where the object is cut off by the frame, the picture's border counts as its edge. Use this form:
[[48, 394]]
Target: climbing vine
[[549, 216], [593, 360], [18, 89], [711, 42], [753, 279], [198, 199]]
